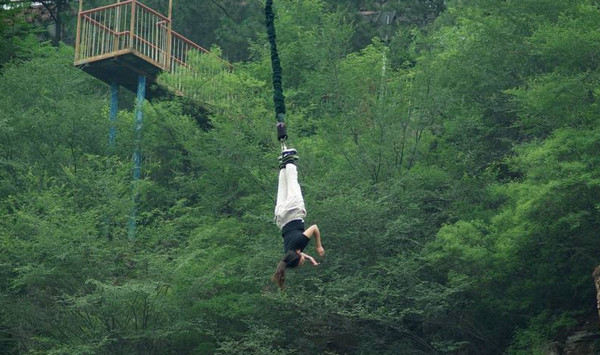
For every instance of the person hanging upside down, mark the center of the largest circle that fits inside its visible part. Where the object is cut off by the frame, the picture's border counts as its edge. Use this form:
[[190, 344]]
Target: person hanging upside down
[[289, 217]]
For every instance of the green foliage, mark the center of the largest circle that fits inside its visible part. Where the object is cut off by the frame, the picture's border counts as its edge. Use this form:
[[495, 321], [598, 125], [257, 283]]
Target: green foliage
[[45, 125], [452, 169], [18, 37], [462, 248], [537, 337]]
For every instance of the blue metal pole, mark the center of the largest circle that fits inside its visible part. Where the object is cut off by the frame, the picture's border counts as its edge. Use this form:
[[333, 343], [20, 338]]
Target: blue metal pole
[[114, 106], [137, 157]]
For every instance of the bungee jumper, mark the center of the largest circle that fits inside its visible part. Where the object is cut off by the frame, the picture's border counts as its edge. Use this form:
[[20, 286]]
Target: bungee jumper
[[289, 209], [289, 217]]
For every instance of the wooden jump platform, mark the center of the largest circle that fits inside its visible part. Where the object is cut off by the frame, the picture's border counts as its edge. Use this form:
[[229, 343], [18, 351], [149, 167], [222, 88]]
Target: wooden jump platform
[[117, 43]]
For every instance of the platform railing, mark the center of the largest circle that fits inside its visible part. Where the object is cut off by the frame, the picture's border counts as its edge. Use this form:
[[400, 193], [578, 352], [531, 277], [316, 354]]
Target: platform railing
[[149, 34], [132, 27], [128, 26], [103, 32]]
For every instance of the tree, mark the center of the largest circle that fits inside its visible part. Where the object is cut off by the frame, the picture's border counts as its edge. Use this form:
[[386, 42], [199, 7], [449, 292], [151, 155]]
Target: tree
[[57, 9]]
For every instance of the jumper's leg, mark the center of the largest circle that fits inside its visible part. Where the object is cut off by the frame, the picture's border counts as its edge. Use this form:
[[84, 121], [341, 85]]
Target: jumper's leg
[[282, 193], [282, 188], [294, 192]]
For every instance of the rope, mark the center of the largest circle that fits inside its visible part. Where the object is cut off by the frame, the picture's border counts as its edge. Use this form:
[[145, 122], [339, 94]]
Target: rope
[[278, 98]]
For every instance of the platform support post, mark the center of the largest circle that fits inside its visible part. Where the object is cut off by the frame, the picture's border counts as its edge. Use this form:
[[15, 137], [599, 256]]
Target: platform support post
[[169, 37], [137, 157], [114, 107]]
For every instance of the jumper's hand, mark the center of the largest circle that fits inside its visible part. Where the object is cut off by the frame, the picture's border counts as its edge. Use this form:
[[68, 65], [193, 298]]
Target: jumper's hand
[[321, 251], [310, 258]]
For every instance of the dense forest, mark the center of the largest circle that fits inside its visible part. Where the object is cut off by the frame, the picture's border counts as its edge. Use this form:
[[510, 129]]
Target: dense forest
[[450, 159]]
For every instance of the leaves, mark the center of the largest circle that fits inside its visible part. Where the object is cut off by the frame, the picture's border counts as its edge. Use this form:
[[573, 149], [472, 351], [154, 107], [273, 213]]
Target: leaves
[[452, 170]]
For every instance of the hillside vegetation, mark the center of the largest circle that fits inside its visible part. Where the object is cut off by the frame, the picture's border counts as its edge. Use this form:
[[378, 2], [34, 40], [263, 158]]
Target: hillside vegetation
[[451, 162]]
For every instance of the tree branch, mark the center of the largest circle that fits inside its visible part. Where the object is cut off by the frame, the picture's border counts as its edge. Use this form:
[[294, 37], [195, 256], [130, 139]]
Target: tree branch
[[220, 7], [54, 17]]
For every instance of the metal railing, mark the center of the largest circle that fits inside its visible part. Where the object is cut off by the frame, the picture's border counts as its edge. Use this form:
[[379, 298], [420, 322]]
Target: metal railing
[[132, 27], [103, 31]]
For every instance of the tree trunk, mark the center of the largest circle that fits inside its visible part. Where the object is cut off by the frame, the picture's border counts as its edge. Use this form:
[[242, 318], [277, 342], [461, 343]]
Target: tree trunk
[[58, 22], [596, 275]]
